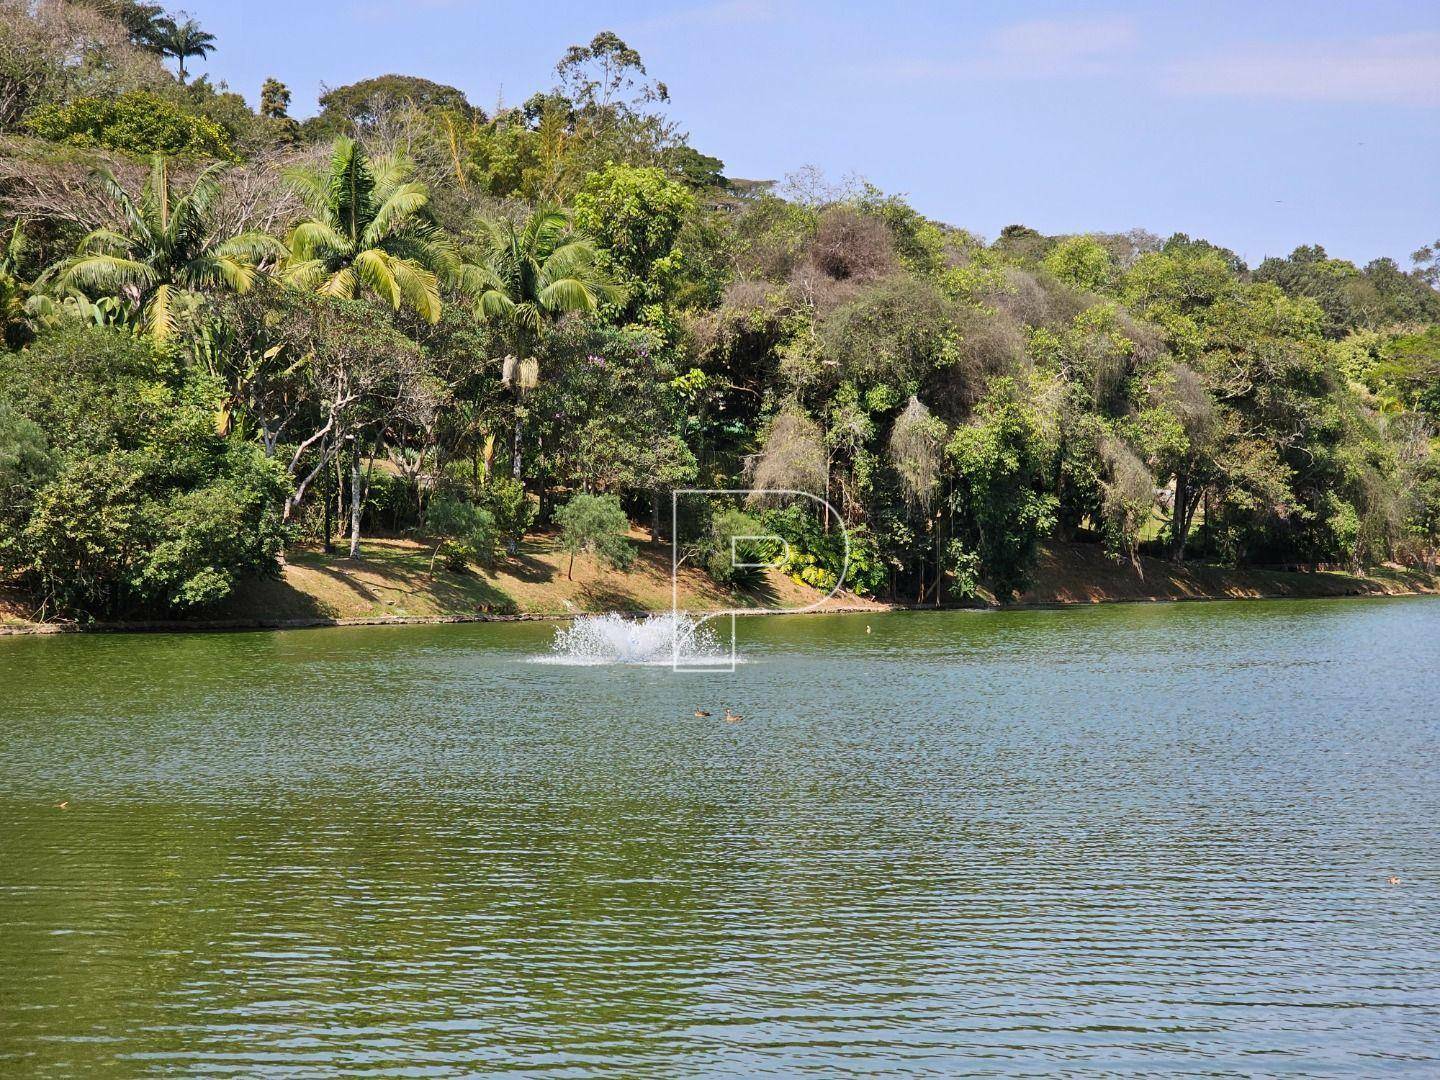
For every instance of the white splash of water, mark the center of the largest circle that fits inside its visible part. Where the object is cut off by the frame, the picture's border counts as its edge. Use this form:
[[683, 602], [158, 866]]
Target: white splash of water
[[614, 639]]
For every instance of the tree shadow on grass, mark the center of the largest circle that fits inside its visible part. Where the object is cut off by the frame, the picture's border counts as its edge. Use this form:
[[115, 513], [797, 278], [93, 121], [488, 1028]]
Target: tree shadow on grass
[[451, 592], [527, 568], [761, 594], [348, 580], [600, 596], [267, 600]]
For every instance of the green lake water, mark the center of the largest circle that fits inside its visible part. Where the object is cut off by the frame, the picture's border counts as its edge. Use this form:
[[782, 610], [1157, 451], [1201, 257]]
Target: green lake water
[[1129, 839]]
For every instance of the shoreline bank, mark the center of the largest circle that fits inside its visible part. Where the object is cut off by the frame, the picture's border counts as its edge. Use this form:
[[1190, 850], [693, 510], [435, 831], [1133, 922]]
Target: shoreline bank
[[390, 586]]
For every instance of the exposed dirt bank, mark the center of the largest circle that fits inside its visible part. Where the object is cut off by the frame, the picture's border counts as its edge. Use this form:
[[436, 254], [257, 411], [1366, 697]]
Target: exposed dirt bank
[[392, 584], [1082, 574]]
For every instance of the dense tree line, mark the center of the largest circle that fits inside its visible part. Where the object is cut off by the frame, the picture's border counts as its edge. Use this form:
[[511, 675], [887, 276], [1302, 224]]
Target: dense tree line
[[227, 331]]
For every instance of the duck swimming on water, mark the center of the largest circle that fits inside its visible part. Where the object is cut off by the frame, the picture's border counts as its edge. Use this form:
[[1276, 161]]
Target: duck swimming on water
[[731, 718]]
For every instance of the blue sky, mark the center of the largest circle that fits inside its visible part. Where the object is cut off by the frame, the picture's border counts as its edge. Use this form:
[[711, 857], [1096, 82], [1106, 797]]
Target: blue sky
[[1258, 125]]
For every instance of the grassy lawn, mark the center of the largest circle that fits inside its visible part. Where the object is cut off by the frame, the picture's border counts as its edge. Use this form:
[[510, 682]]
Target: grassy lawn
[[392, 579]]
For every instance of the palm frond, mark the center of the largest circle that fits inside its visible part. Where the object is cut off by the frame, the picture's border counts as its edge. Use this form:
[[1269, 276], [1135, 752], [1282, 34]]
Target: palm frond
[[341, 284], [159, 314], [373, 267], [155, 199], [312, 189], [316, 239], [419, 287], [546, 230], [399, 209], [352, 188], [105, 241], [494, 304], [574, 259], [568, 294], [190, 215], [107, 272], [252, 247], [306, 274], [476, 278], [129, 209], [391, 171], [216, 270]]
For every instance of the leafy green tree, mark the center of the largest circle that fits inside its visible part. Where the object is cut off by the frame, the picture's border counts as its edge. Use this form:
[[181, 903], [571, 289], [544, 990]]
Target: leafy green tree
[[1081, 262], [1023, 243], [1409, 368], [524, 278], [595, 525], [608, 104], [699, 170], [141, 508], [183, 39], [358, 107], [163, 249], [26, 462], [512, 508], [636, 216], [275, 100], [136, 123], [369, 231], [466, 532], [1336, 285], [727, 542], [1000, 463]]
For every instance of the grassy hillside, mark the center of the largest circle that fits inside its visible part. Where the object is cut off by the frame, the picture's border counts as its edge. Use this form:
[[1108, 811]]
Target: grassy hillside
[[1082, 574], [392, 582]]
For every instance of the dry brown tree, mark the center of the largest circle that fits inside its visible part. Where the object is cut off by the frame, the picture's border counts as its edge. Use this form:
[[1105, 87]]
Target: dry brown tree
[[1128, 491], [793, 458], [917, 451]]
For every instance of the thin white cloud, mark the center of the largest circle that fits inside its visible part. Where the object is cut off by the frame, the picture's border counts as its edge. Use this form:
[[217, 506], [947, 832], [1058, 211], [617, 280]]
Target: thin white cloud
[[1036, 49], [1397, 69], [1062, 43]]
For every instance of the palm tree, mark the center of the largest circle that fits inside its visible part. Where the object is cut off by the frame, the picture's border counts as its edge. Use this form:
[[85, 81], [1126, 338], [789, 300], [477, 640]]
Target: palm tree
[[164, 248], [16, 304], [369, 229], [525, 278], [183, 40]]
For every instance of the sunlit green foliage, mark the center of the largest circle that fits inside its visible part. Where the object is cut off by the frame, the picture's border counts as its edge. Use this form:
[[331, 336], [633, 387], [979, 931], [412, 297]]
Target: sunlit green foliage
[[579, 312], [137, 123], [595, 525]]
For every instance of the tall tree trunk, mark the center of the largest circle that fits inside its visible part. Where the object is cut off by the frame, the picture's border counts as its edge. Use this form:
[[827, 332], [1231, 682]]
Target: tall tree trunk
[[1183, 514], [340, 493], [516, 458], [357, 496], [939, 559], [329, 522]]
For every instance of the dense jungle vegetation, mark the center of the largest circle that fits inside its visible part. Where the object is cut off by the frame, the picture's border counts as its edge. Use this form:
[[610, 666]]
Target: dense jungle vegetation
[[229, 331]]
